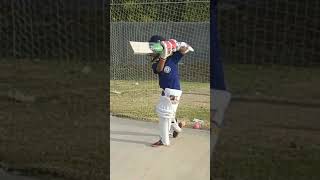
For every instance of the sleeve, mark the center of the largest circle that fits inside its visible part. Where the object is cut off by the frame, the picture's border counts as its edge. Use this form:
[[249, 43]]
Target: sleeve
[[154, 68], [176, 57]]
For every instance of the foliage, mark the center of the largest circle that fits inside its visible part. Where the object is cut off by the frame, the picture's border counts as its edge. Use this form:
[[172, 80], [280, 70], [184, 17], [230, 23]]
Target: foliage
[[157, 11]]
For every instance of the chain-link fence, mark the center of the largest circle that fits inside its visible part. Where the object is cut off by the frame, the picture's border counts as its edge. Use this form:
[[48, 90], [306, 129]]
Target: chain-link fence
[[138, 21], [134, 87], [270, 32], [127, 66], [269, 47]]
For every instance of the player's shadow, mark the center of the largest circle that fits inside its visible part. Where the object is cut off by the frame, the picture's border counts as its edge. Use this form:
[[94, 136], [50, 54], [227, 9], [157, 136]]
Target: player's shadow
[[133, 134], [130, 141]]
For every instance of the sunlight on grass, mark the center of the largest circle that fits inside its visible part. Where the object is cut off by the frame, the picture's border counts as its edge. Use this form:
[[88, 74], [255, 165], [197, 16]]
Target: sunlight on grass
[[137, 99]]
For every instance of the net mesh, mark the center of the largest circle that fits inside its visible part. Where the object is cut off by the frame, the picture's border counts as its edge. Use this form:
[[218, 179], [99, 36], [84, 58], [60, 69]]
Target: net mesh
[[134, 20], [139, 21], [270, 32], [269, 46], [51, 29]]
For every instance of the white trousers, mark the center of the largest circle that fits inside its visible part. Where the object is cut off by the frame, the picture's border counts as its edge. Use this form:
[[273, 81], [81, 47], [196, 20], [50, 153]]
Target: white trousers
[[166, 110]]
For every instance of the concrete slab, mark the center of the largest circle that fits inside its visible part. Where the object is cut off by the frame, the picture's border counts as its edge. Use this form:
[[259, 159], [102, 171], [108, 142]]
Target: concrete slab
[[132, 157]]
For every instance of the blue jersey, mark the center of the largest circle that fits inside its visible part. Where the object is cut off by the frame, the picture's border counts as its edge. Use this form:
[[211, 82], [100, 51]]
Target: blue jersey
[[169, 76]]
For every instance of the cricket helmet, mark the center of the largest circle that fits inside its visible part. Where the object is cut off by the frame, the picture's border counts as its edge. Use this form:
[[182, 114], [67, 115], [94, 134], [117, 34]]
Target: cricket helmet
[[156, 38]]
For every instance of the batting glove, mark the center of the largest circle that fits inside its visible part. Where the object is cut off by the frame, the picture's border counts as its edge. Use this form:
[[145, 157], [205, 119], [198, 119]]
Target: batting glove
[[167, 49], [176, 46]]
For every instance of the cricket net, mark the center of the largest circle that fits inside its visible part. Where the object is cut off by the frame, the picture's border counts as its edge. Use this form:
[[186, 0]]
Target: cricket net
[[269, 46], [271, 56], [132, 80], [59, 30]]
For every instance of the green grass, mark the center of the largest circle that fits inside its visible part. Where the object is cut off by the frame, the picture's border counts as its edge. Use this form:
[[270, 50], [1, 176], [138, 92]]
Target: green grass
[[258, 162], [137, 99], [274, 81], [67, 122], [256, 81], [270, 141], [63, 132]]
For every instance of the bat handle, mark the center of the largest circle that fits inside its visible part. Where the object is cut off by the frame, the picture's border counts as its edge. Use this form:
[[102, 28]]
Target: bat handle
[[156, 48]]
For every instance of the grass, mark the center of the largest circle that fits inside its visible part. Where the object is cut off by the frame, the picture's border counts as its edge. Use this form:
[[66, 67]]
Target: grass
[[270, 141], [274, 81], [256, 162], [63, 131], [137, 99], [263, 141]]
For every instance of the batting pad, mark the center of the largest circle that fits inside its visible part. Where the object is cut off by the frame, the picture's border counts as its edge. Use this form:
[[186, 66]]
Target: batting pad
[[172, 92]]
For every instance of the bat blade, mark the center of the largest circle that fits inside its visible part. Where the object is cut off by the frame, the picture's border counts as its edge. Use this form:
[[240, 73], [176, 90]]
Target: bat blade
[[141, 47]]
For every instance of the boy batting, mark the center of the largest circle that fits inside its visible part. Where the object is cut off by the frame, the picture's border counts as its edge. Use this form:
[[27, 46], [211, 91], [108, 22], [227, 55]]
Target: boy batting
[[166, 67]]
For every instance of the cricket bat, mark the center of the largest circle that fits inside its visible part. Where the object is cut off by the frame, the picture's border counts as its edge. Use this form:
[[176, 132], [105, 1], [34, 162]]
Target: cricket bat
[[148, 47]]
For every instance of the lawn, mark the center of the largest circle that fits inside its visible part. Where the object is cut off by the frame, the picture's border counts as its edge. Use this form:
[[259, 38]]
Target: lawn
[[137, 100], [53, 118], [272, 125], [274, 81]]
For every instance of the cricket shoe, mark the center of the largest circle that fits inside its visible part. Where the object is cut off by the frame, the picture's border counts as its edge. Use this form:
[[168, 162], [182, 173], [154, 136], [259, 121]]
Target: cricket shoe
[[158, 144], [177, 128]]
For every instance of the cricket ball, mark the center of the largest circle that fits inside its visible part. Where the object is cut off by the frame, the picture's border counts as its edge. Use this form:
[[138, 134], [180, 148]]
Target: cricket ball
[[196, 125]]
